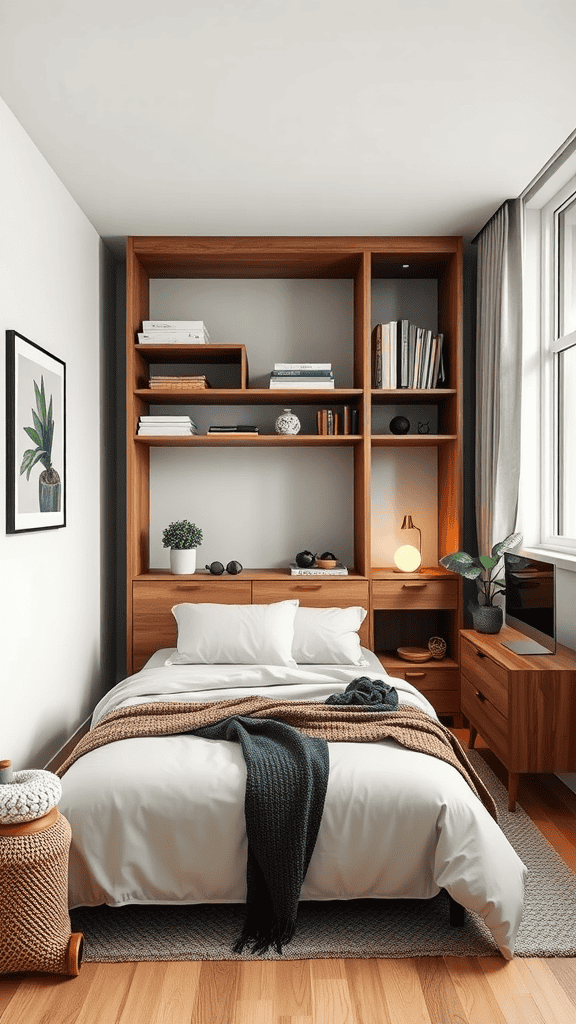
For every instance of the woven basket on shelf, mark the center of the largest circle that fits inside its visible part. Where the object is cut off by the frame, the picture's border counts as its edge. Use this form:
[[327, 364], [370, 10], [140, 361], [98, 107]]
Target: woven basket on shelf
[[35, 931]]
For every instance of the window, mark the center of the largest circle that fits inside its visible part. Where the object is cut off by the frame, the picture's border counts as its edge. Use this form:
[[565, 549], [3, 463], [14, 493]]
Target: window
[[558, 352]]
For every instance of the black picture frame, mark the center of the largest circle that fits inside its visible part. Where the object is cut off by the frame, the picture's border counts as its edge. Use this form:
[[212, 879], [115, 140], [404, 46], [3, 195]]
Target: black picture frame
[[36, 480]]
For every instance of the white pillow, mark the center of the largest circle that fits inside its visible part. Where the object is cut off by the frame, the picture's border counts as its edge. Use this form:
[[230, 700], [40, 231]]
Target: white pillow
[[328, 636], [234, 634]]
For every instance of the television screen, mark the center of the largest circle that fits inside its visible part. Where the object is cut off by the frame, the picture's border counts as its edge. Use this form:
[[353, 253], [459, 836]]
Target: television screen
[[530, 608]]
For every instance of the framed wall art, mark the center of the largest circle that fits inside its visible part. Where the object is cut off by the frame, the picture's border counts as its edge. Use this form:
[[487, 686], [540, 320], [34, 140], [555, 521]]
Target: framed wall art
[[35, 437]]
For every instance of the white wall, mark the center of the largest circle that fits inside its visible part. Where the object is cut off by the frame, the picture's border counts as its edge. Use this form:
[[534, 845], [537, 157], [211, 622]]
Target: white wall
[[50, 593]]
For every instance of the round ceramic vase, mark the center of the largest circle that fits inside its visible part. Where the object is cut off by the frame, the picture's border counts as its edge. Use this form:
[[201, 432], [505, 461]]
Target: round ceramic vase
[[287, 423]]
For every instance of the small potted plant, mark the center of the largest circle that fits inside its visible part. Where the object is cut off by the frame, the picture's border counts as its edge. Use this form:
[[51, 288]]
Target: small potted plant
[[487, 616], [182, 538]]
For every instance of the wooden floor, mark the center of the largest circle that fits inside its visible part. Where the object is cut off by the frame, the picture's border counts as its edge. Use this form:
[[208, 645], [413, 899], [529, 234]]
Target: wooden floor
[[437, 990]]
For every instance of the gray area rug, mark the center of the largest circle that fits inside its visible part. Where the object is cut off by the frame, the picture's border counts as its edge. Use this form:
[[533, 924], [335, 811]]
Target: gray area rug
[[353, 928]]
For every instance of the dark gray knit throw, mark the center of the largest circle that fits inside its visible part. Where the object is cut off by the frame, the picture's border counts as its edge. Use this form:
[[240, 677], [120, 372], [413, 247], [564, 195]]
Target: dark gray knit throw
[[286, 780], [372, 694]]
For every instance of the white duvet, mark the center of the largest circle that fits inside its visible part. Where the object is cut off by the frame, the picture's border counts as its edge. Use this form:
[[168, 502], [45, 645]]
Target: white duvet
[[161, 819]]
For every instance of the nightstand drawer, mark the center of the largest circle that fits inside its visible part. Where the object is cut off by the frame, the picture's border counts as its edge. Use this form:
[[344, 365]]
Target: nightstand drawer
[[486, 719], [424, 678], [414, 593], [488, 677]]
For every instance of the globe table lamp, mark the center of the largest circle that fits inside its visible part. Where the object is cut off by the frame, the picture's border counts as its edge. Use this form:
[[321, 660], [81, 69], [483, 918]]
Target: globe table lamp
[[408, 558]]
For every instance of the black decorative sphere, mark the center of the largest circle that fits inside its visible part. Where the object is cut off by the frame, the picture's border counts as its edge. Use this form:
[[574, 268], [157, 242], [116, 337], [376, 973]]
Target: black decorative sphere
[[399, 425], [328, 555], [305, 559], [216, 568], [233, 568]]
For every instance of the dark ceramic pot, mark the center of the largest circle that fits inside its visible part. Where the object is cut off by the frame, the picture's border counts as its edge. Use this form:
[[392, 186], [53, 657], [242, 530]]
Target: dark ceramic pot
[[487, 618]]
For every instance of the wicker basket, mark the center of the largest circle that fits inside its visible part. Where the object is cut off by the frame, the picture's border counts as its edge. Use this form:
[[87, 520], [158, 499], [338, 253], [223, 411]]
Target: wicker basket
[[35, 931]]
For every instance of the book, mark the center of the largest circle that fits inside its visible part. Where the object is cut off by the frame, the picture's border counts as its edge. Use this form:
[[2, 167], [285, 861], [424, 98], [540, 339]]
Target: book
[[302, 366], [339, 570], [166, 431], [173, 325], [346, 419], [294, 382], [245, 428], [173, 338], [304, 374]]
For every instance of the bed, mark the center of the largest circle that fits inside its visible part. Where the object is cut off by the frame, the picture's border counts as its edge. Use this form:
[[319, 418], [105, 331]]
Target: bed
[[161, 819]]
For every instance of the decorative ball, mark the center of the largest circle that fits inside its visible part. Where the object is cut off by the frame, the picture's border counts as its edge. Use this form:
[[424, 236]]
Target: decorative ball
[[233, 568], [407, 558], [437, 647], [399, 425], [287, 423], [305, 559], [216, 568]]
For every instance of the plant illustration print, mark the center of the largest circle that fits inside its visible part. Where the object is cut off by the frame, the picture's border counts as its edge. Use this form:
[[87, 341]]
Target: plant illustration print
[[42, 434]]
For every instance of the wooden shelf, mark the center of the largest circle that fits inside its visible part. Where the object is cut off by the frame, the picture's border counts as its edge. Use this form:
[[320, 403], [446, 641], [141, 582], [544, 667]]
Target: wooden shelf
[[410, 440], [271, 575], [392, 663], [419, 395], [256, 441], [215, 354], [249, 396]]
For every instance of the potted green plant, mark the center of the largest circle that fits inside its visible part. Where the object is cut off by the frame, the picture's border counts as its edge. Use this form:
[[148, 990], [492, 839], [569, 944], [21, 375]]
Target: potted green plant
[[182, 538], [486, 615], [42, 434]]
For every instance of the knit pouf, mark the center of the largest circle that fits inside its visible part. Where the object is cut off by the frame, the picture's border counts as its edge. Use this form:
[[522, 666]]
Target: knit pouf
[[35, 931]]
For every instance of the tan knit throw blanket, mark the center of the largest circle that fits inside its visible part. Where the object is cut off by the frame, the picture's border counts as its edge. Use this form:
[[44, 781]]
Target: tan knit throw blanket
[[407, 725]]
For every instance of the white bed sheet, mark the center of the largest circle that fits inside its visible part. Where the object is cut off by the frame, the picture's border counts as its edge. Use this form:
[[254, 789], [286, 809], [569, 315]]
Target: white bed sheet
[[161, 819]]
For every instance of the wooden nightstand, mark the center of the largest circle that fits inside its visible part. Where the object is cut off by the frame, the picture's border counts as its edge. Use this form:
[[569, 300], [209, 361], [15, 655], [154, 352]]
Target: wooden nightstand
[[523, 707]]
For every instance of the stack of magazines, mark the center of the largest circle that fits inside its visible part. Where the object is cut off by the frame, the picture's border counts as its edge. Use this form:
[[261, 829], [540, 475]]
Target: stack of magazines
[[166, 383], [234, 428], [314, 570], [169, 426], [173, 332], [302, 375]]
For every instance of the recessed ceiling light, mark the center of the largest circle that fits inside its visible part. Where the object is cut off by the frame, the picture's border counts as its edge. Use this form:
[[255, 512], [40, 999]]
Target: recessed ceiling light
[[405, 266]]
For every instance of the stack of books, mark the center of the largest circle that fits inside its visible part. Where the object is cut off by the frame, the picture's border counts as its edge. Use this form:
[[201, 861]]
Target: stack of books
[[406, 356], [302, 375], [173, 332], [330, 422], [234, 428], [339, 570], [169, 426], [197, 381]]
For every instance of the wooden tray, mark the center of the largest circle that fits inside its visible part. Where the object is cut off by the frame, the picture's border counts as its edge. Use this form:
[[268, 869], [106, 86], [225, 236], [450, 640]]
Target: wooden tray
[[414, 653]]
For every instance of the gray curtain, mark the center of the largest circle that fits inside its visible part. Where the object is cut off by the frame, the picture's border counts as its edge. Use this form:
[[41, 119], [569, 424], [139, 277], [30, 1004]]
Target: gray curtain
[[498, 374]]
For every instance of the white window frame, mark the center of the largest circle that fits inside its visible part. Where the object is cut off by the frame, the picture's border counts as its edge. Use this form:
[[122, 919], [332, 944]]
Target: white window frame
[[551, 345]]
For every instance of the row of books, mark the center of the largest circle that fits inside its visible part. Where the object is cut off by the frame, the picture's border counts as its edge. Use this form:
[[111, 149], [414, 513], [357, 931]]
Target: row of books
[[167, 383], [406, 356], [173, 332], [302, 375], [330, 422], [338, 570], [169, 426], [235, 429]]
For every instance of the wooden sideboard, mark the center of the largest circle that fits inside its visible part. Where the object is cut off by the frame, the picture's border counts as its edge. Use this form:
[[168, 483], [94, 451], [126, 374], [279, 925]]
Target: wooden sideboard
[[523, 707]]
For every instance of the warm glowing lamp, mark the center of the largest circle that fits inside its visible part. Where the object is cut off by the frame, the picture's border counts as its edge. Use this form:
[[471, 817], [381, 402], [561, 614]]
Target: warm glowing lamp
[[408, 558]]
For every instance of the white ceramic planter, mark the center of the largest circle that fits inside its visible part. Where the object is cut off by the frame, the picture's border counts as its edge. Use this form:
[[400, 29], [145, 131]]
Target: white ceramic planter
[[182, 561]]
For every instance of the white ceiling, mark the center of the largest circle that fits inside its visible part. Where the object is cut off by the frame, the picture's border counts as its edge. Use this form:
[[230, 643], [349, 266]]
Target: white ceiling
[[302, 117]]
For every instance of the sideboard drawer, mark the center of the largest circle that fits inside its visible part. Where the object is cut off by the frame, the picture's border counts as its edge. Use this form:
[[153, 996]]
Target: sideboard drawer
[[412, 593], [488, 677], [429, 679], [486, 719], [154, 626], [316, 593]]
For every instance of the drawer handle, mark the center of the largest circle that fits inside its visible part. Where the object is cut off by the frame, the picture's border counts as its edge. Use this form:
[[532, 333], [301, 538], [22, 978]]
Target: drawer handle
[[414, 675], [414, 586], [302, 586], [188, 586], [480, 696], [480, 654]]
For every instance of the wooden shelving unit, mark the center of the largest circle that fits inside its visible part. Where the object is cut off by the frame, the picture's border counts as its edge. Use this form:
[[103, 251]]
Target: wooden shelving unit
[[363, 260]]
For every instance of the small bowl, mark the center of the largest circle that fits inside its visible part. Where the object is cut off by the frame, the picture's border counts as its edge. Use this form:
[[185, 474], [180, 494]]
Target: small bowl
[[326, 563]]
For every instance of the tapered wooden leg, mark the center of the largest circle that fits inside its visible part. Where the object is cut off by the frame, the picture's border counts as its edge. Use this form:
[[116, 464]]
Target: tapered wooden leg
[[472, 737], [512, 790]]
